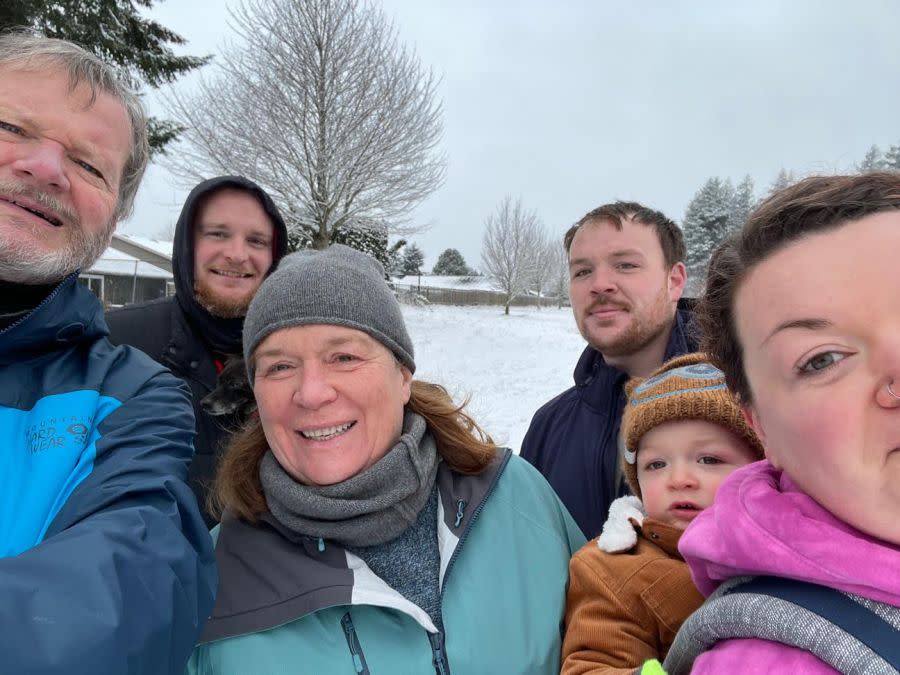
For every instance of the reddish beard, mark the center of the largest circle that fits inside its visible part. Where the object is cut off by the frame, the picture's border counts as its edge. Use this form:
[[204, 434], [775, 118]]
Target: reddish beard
[[225, 308], [645, 326]]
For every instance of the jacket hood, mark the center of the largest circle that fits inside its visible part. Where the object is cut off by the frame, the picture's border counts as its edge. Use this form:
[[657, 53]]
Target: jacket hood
[[223, 335], [761, 523]]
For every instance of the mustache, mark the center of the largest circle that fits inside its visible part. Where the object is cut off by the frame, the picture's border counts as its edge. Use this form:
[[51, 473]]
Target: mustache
[[605, 301], [15, 189]]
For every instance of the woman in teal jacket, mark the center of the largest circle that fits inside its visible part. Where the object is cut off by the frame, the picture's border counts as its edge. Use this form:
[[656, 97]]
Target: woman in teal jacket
[[369, 525]]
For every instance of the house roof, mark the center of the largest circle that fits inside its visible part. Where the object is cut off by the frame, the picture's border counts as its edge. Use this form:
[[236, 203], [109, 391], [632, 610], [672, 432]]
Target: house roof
[[116, 263], [153, 251]]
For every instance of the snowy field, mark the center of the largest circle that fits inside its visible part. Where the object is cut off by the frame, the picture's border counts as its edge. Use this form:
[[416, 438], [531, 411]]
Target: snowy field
[[508, 365]]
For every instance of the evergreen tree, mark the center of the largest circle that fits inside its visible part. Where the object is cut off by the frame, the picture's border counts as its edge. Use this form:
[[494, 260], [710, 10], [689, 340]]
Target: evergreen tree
[[873, 161], [115, 31], [451, 263], [413, 258], [892, 158], [707, 220], [742, 203], [782, 180], [394, 267], [371, 240]]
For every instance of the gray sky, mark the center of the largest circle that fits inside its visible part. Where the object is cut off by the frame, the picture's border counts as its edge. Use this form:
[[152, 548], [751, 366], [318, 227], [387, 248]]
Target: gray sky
[[572, 104]]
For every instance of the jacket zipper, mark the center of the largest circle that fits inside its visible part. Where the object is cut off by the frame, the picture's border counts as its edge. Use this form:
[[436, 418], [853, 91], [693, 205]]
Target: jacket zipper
[[439, 658], [460, 510], [43, 302], [359, 659], [441, 666]]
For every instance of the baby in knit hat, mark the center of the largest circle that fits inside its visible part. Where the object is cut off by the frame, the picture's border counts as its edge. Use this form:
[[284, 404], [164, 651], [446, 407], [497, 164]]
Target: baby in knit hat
[[629, 589]]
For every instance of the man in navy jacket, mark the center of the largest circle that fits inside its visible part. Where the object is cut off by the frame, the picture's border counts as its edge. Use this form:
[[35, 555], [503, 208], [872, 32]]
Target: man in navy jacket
[[105, 563], [627, 276]]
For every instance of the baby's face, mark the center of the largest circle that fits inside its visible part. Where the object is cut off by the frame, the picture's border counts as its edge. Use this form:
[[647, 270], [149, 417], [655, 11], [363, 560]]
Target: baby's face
[[681, 464]]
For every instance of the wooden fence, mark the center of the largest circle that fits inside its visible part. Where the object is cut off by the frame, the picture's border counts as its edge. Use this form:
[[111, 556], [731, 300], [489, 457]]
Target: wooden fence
[[466, 296]]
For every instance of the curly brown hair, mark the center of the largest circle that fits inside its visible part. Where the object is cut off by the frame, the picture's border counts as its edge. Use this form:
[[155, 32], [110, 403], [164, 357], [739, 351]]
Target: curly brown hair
[[811, 206]]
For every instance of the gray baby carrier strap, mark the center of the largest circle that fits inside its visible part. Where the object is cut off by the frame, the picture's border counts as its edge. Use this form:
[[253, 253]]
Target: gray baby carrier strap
[[850, 633]]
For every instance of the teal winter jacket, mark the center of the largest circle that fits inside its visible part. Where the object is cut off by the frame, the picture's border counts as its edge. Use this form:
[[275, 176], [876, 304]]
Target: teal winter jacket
[[301, 605]]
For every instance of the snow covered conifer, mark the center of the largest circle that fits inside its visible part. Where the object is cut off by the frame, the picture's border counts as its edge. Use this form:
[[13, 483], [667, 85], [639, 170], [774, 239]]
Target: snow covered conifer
[[892, 158], [873, 161], [782, 180], [451, 263], [707, 220], [742, 203], [412, 261]]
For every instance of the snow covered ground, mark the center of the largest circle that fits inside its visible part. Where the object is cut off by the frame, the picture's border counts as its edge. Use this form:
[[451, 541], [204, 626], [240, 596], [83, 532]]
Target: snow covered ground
[[509, 365]]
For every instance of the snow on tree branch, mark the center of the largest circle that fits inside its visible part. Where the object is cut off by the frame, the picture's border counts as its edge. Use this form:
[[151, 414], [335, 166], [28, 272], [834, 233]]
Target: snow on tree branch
[[510, 247], [324, 107]]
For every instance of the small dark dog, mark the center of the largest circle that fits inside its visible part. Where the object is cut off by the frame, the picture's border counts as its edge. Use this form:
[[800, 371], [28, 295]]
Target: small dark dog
[[233, 395]]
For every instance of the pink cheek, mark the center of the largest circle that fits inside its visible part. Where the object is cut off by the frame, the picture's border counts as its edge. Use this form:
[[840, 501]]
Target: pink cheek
[[810, 431]]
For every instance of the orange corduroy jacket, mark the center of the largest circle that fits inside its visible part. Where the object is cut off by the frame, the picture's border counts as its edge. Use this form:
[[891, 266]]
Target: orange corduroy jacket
[[625, 608]]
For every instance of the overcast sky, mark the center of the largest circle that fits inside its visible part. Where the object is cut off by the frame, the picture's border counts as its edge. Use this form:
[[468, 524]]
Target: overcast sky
[[572, 104]]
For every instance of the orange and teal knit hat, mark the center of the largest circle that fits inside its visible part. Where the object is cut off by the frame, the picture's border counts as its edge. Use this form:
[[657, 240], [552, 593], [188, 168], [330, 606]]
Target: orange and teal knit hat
[[686, 387]]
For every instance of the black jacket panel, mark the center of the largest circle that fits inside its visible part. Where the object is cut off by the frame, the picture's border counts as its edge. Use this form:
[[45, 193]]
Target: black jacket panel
[[161, 330], [184, 336]]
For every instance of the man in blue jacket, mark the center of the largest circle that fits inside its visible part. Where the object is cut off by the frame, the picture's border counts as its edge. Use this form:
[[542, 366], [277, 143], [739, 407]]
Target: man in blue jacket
[[627, 275], [105, 563]]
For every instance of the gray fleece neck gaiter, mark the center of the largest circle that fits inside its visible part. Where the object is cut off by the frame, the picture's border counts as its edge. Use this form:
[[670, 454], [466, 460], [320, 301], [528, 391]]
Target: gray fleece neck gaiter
[[370, 508]]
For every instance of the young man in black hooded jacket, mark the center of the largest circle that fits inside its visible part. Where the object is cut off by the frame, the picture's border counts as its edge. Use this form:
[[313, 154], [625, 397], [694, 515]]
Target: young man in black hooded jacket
[[228, 238]]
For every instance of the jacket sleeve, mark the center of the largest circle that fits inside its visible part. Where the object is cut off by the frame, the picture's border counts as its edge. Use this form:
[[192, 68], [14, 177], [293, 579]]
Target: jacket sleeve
[[759, 656], [531, 444], [124, 577], [603, 635]]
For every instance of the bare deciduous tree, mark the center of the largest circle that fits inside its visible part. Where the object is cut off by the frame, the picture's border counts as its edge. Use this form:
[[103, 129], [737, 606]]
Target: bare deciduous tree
[[558, 273], [508, 247], [325, 108], [543, 270]]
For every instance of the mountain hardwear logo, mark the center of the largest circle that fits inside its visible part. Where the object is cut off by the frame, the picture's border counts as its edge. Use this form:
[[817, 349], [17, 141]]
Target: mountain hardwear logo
[[58, 432]]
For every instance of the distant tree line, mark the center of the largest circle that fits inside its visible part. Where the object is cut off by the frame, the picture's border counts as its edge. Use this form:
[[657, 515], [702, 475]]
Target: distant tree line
[[522, 257], [719, 208]]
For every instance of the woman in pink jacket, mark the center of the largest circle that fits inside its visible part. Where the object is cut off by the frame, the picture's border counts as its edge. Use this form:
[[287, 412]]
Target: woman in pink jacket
[[802, 313]]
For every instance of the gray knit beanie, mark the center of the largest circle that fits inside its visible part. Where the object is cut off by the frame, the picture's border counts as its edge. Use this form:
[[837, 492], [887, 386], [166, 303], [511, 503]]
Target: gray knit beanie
[[339, 286]]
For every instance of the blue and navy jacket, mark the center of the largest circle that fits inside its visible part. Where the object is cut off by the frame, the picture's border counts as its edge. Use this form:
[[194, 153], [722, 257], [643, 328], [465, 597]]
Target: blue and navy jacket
[[573, 438], [105, 563]]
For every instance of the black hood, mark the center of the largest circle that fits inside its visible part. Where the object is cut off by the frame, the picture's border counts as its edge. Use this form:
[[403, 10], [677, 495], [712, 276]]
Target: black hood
[[222, 335]]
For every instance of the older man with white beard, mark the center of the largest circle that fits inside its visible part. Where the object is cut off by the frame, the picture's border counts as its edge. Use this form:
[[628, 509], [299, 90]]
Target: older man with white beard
[[626, 277], [105, 564]]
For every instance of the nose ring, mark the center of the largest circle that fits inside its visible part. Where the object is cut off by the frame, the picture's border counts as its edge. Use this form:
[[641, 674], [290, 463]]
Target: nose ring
[[891, 391]]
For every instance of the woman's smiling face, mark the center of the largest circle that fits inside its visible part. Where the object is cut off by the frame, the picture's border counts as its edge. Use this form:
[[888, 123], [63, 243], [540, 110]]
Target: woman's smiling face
[[819, 324], [330, 400]]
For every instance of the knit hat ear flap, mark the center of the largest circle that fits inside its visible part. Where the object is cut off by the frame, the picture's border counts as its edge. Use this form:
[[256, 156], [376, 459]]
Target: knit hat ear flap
[[686, 387]]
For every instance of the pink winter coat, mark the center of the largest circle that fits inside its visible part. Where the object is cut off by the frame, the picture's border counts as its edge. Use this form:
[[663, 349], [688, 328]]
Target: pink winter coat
[[761, 523]]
